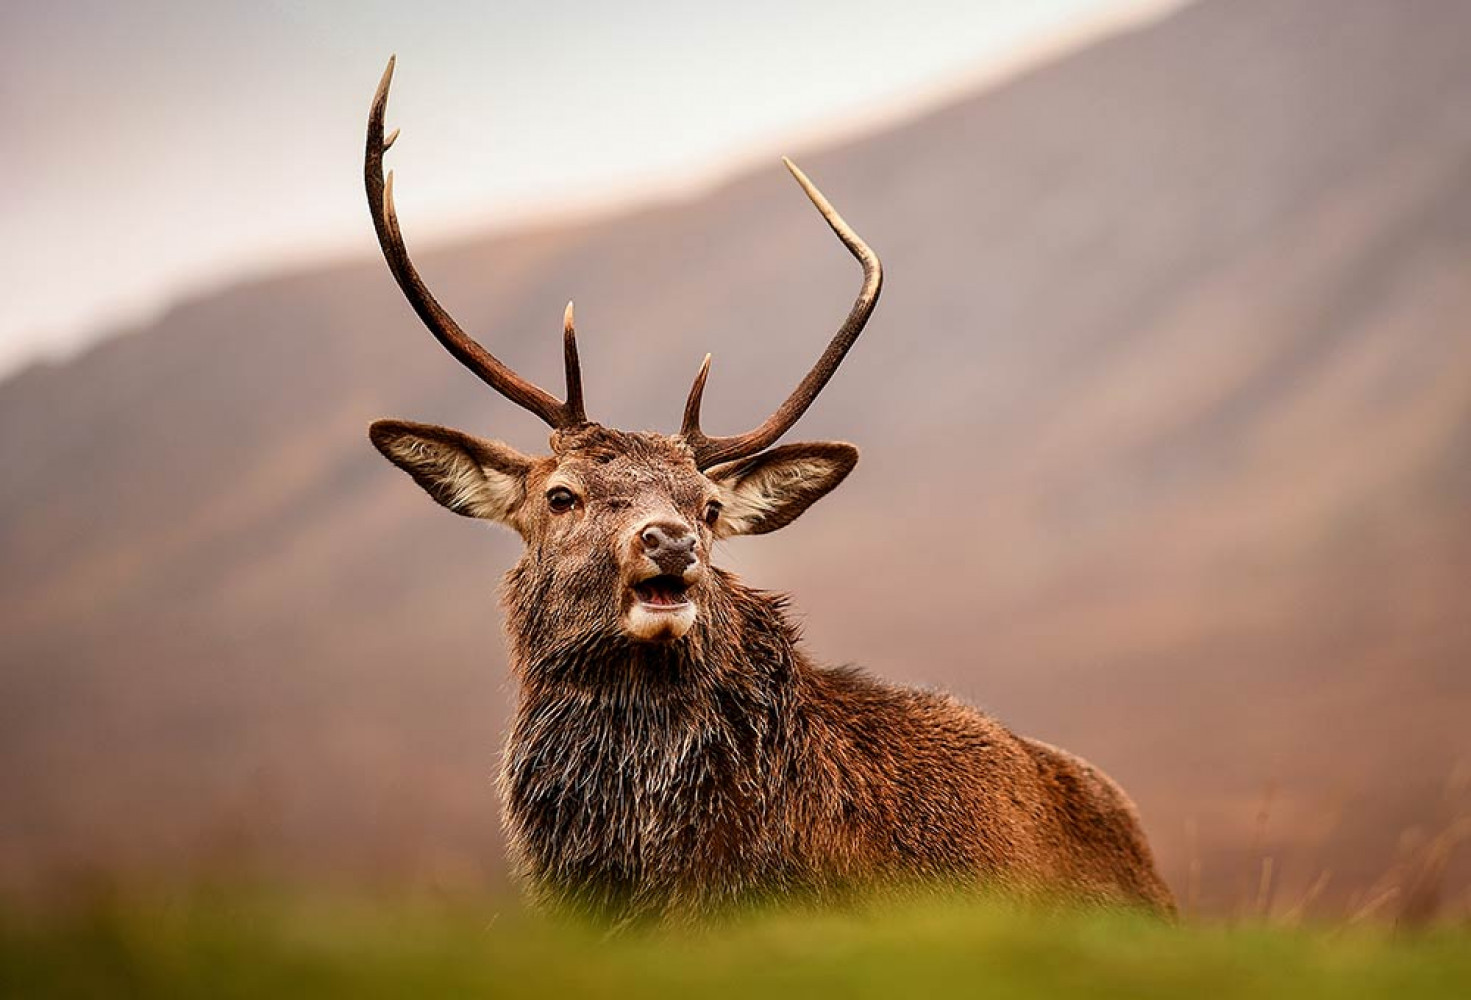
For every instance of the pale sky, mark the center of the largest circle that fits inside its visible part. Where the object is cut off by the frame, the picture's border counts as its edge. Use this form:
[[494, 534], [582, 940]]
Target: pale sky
[[151, 150]]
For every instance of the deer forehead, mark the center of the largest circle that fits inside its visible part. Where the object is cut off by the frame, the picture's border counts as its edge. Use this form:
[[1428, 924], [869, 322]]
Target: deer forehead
[[627, 469]]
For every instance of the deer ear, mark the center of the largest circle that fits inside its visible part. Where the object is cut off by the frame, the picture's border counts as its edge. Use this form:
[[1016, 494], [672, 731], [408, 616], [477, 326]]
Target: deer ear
[[467, 474], [772, 489]]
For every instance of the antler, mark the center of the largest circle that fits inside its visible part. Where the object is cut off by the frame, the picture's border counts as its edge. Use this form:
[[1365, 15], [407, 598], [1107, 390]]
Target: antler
[[711, 451], [465, 350]]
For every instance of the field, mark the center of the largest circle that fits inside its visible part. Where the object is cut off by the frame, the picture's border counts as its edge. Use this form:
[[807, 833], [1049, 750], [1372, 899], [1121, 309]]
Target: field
[[228, 945]]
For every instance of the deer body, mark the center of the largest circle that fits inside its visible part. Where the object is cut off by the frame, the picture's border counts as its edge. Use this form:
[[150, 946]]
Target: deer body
[[672, 782], [674, 750]]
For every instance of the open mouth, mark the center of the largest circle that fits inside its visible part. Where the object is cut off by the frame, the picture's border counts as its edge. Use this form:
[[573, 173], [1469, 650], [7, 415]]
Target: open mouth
[[665, 592], [661, 609]]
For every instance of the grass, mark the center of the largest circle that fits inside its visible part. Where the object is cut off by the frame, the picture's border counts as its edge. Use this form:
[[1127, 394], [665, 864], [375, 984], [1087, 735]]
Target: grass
[[264, 945]]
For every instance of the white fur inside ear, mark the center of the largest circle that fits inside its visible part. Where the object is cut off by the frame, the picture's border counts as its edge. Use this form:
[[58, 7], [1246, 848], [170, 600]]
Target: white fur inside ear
[[772, 490], [455, 476], [754, 499]]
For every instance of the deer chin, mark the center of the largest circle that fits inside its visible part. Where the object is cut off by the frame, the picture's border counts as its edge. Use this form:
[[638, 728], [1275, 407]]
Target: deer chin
[[659, 609]]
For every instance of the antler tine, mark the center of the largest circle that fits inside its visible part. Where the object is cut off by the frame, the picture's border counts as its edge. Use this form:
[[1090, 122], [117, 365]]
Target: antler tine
[[573, 406], [690, 431], [459, 344], [710, 451]]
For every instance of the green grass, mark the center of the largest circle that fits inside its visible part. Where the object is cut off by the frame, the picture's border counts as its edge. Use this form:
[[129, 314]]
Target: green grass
[[260, 945]]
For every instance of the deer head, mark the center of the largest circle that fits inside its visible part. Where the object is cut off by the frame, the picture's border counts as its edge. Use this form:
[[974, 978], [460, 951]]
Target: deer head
[[618, 525]]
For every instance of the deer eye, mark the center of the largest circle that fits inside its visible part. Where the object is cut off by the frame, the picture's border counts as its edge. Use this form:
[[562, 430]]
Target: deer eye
[[561, 500], [712, 512]]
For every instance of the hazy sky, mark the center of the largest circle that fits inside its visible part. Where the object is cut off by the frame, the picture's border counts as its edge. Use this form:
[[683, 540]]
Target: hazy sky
[[154, 149]]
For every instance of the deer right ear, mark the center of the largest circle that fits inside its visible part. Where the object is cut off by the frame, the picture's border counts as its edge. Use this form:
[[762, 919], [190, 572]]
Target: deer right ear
[[469, 475], [772, 489]]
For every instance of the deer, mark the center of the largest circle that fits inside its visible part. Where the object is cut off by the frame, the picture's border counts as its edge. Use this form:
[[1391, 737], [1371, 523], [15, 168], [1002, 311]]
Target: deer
[[675, 752]]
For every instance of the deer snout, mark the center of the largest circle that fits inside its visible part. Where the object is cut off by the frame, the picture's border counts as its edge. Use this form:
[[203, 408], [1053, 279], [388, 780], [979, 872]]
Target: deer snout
[[671, 547]]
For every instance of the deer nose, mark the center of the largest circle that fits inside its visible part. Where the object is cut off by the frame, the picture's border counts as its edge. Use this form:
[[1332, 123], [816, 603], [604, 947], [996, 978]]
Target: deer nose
[[670, 546]]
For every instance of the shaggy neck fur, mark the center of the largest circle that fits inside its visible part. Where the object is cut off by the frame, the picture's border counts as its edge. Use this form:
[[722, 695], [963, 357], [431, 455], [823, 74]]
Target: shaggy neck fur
[[651, 780]]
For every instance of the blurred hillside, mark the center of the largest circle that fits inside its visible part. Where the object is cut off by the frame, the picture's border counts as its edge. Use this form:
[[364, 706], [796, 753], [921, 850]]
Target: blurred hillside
[[1166, 418]]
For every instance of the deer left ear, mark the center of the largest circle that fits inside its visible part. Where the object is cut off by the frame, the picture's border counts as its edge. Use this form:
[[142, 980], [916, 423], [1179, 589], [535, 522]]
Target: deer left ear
[[772, 489], [469, 475]]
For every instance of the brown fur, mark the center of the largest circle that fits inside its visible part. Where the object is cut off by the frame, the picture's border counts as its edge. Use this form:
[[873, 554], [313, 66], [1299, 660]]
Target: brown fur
[[670, 779]]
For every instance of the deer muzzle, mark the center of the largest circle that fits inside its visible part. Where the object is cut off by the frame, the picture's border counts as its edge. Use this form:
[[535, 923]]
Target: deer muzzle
[[659, 606]]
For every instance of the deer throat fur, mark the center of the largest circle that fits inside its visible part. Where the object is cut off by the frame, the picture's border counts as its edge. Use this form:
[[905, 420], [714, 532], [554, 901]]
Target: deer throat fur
[[648, 780]]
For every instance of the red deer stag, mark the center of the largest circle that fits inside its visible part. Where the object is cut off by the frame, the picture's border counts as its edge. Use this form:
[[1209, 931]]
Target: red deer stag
[[675, 750]]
